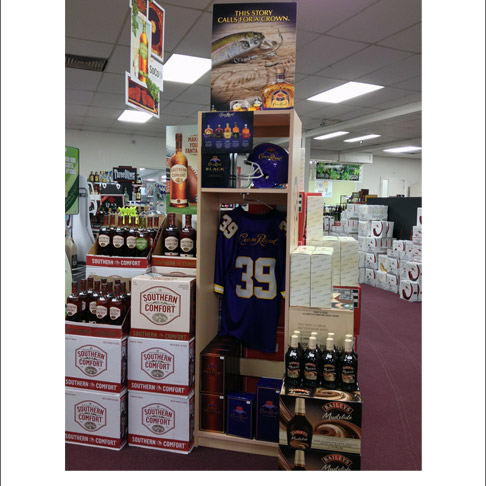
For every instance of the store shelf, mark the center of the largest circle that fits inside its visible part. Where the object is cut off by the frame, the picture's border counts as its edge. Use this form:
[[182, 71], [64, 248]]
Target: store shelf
[[239, 444]]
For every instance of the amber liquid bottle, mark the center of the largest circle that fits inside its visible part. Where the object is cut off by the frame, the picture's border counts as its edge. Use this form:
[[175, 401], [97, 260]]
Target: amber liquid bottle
[[131, 241], [236, 131], [227, 132], [116, 308], [299, 429], [119, 242], [109, 290], [218, 133], [349, 368], [170, 237], [93, 302], [124, 298], [245, 133], [178, 176], [104, 238], [102, 306], [73, 307], [280, 94], [83, 297], [188, 239], [143, 56], [150, 231]]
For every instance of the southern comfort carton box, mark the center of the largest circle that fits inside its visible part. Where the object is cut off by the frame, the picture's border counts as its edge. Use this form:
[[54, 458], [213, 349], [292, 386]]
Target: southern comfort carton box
[[163, 307], [161, 366], [162, 422], [96, 419]]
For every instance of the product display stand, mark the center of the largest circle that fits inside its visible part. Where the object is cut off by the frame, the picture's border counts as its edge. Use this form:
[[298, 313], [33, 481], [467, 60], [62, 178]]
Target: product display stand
[[284, 123]]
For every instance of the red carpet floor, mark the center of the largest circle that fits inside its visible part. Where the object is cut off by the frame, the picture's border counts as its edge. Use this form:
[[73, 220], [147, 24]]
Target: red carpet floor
[[390, 377]]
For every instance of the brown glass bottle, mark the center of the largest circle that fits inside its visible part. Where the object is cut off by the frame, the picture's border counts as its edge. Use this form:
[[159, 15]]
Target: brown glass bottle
[[73, 305], [188, 239], [299, 460], [102, 306], [116, 308], [131, 240], [83, 297], [143, 242], [109, 290], [170, 237], [124, 297], [93, 301], [150, 231], [349, 368], [299, 429], [104, 238], [178, 176], [119, 239]]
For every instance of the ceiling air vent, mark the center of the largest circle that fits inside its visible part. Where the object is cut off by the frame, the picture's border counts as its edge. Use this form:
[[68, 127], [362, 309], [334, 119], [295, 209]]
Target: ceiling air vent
[[86, 63]]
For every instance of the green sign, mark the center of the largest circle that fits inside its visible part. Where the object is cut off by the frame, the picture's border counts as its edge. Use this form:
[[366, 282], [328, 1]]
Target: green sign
[[338, 172], [72, 180]]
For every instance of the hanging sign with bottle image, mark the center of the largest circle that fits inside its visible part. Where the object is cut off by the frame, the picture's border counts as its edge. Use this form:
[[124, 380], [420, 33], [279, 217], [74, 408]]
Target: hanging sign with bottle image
[[72, 180], [145, 79], [225, 132], [253, 56]]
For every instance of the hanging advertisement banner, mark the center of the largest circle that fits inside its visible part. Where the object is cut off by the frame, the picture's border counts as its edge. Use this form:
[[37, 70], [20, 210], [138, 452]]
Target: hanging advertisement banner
[[253, 56], [338, 172], [145, 78], [72, 180], [181, 165]]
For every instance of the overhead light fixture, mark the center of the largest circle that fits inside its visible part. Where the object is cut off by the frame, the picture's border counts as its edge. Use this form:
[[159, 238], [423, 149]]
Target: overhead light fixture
[[398, 150], [134, 116], [185, 69], [330, 135], [364, 137], [345, 92]]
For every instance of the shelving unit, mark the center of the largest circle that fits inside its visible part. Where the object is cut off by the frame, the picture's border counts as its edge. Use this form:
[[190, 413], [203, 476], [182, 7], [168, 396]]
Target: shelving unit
[[285, 123]]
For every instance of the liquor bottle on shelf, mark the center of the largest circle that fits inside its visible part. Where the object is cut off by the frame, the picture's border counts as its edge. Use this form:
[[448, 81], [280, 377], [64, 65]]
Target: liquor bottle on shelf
[[104, 238], [301, 348], [126, 197], [311, 365], [293, 362], [236, 131], [245, 133], [299, 429], [93, 302], [124, 297], [218, 133], [319, 350], [91, 177], [143, 240], [208, 132], [280, 94], [102, 306], [150, 231], [330, 366], [89, 294], [143, 55], [116, 308], [170, 237], [131, 240], [350, 336], [227, 131], [336, 353], [109, 290], [178, 176], [188, 239], [73, 304], [138, 194], [96, 177], [349, 368], [299, 460], [119, 239], [83, 297]]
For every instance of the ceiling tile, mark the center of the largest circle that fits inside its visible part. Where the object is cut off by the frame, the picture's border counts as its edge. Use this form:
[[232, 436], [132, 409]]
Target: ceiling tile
[[79, 97], [197, 41], [97, 121], [119, 61], [178, 22], [82, 47], [96, 21], [312, 85], [76, 110], [380, 20], [182, 109], [204, 80], [199, 4], [304, 37], [172, 90], [364, 62], [349, 115], [323, 52], [377, 99], [399, 101], [74, 119], [394, 73], [195, 94], [109, 100], [112, 83], [95, 111], [414, 84], [81, 79], [124, 39], [408, 40]]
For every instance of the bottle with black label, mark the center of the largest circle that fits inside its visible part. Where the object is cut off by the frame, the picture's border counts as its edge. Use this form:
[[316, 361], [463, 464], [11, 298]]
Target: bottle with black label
[[299, 429], [349, 368], [330, 366], [170, 237], [311, 365], [299, 461], [293, 362]]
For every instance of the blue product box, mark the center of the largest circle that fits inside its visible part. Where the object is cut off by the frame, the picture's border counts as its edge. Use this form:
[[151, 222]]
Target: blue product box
[[268, 394], [241, 414]]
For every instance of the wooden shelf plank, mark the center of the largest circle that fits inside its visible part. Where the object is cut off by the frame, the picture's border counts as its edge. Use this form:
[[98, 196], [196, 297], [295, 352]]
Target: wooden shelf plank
[[261, 367], [239, 444]]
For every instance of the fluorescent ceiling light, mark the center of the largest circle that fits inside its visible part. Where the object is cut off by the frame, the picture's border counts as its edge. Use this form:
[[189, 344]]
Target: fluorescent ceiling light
[[330, 135], [364, 137], [185, 69], [397, 150], [134, 116], [345, 92]]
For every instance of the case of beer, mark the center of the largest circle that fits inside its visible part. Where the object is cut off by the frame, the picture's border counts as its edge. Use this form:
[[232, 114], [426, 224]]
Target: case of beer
[[290, 459]]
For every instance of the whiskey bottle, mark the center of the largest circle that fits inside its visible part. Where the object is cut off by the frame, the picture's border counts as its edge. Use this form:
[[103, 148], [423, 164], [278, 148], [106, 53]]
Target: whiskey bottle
[[143, 55], [170, 237], [91, 177], [104, 238], [116, 307], [93, 302], [142, 242], [292, 362], [280, 94], [83, 297], [208, 133], [299, 429], [131, 241], [188, 239], [349, 368], [311, 365], [124, 297], [102, 306], [218, 133], [245, 133], [178, 176], [227, 132], [236, 131], [330, 366], [73, 305], [150, 231], [89, 296], [299, 460], [119, 239], [96, 177]]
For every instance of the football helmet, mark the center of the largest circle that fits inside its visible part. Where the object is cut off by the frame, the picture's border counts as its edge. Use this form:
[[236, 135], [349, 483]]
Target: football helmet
[[269, 166]]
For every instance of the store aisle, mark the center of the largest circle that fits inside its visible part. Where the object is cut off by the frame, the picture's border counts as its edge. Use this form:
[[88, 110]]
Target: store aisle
[[389, 349]]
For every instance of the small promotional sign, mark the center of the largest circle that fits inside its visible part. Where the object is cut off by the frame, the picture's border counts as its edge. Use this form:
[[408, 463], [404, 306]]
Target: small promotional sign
[[125, 174], [226, 132], [215, 170], [72, 180], [338, 172], [156, 15]]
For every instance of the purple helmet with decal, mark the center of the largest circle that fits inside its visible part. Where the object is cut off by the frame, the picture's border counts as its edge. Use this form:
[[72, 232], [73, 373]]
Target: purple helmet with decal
[[270, 165]]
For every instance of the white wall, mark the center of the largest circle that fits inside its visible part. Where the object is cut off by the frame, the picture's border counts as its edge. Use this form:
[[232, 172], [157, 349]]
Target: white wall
[[103, 151]]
